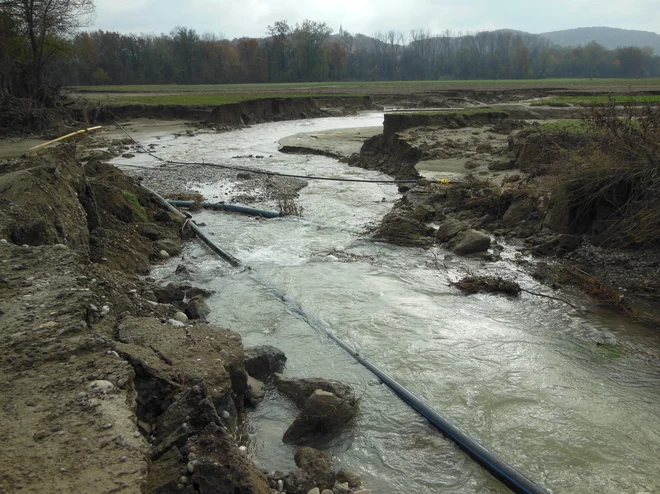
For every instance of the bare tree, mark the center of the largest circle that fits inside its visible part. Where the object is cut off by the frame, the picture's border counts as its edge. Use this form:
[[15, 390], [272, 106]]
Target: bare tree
[[44, 23]]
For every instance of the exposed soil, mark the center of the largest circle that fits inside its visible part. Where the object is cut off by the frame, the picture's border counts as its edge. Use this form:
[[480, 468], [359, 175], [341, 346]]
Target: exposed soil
[[491, 175], [102, 383], [99, 384]]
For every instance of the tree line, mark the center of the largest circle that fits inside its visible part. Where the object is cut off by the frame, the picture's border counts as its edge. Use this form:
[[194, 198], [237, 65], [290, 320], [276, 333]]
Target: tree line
[[310, 52], [42, 48]]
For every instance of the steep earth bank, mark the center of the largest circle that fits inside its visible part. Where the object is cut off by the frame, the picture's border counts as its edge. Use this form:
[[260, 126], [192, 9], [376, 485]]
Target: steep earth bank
[[232, 115], [486, 180], [107, 379]]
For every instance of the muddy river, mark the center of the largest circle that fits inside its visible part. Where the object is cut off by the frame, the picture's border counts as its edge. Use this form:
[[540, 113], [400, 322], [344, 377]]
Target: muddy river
[[526, 377]]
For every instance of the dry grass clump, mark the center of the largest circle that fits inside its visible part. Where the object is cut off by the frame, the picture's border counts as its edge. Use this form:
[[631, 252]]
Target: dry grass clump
[[491, 284], [606, 296], [287, 202], [613, 185]]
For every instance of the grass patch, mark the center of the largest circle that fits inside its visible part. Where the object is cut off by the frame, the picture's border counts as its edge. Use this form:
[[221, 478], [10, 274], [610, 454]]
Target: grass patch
[[614, 85], [139, 212], [599, 100]]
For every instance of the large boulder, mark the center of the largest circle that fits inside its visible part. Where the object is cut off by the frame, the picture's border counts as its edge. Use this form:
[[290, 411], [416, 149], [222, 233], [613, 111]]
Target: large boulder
[[299, 390], [172, 293], [518, 212], [401, 228], [255, 392], [315, 470], [261, 362], [197, 309], [323, 414], [470, 242], [449, 229], [171, 246]]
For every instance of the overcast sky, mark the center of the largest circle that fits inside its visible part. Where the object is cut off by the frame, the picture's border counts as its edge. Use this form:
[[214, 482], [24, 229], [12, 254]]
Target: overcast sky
[[237, 18]]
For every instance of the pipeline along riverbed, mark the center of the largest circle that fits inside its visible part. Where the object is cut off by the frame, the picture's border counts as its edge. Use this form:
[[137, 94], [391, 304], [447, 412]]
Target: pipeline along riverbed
[[523, 376]]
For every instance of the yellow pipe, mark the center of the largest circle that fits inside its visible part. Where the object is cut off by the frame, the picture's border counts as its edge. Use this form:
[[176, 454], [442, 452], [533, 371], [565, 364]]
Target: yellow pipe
[[65, 137]]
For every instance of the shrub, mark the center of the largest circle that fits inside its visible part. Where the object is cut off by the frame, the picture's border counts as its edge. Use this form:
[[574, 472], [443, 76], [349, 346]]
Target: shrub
[[613, 184]]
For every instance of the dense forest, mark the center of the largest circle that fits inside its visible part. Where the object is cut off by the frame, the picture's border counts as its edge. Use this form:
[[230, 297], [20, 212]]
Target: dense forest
[[309, 52], [43, 49]]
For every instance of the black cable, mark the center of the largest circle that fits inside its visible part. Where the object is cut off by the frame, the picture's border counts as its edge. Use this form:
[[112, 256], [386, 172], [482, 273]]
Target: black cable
[[262, 172]]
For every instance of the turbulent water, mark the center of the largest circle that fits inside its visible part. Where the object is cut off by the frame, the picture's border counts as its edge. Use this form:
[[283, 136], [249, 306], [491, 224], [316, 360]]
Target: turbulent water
[[524, 376]]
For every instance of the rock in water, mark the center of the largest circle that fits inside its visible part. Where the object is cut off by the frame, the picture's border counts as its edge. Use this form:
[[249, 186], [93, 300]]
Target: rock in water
[[261, 362], [299, 390], [323, 414], [173, 292], [255, 392], [449, 229], [197, 309], [470, 242]]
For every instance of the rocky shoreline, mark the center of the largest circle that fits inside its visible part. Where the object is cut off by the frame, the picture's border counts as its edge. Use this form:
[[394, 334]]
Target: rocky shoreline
[[109, 379]]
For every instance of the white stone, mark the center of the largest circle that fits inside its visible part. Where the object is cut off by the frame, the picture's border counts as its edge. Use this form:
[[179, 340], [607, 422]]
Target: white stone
[[342, 487], [164, 255], [102, 386], [105, 310], [175, 323], [59, 247], [3, 241], [315, 490], [225, 414], [280, 485], [181, 317]]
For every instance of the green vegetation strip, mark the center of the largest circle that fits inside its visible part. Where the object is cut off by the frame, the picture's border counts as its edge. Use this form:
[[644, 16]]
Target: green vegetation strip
[[598, 100], [330, 87], [140, 213]]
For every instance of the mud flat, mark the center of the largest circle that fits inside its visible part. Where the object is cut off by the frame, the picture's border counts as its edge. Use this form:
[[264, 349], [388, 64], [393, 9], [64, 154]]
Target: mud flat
[[340, 143]]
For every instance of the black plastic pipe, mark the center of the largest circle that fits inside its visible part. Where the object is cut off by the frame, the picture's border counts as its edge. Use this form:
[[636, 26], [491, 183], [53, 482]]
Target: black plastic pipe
[[220, 206], [198, 231], [501, 470]]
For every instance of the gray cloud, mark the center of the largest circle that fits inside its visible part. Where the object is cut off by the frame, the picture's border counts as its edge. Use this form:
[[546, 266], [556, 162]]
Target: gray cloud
[[236, 18]]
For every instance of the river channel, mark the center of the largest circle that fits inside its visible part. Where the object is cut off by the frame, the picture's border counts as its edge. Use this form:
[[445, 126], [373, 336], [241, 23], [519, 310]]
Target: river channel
[[523, 376]]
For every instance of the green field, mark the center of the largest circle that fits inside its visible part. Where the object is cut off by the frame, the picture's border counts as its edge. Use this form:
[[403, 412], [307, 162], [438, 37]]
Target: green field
[[220, 94], [380, 86], [599, 100]]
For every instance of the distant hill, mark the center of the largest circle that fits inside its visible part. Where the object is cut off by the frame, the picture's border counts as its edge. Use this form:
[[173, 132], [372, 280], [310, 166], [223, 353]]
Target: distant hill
[[609, 37]]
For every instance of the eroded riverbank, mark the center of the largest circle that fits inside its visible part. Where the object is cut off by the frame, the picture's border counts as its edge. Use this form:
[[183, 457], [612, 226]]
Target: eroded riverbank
[[572, 389], [536, 369]]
